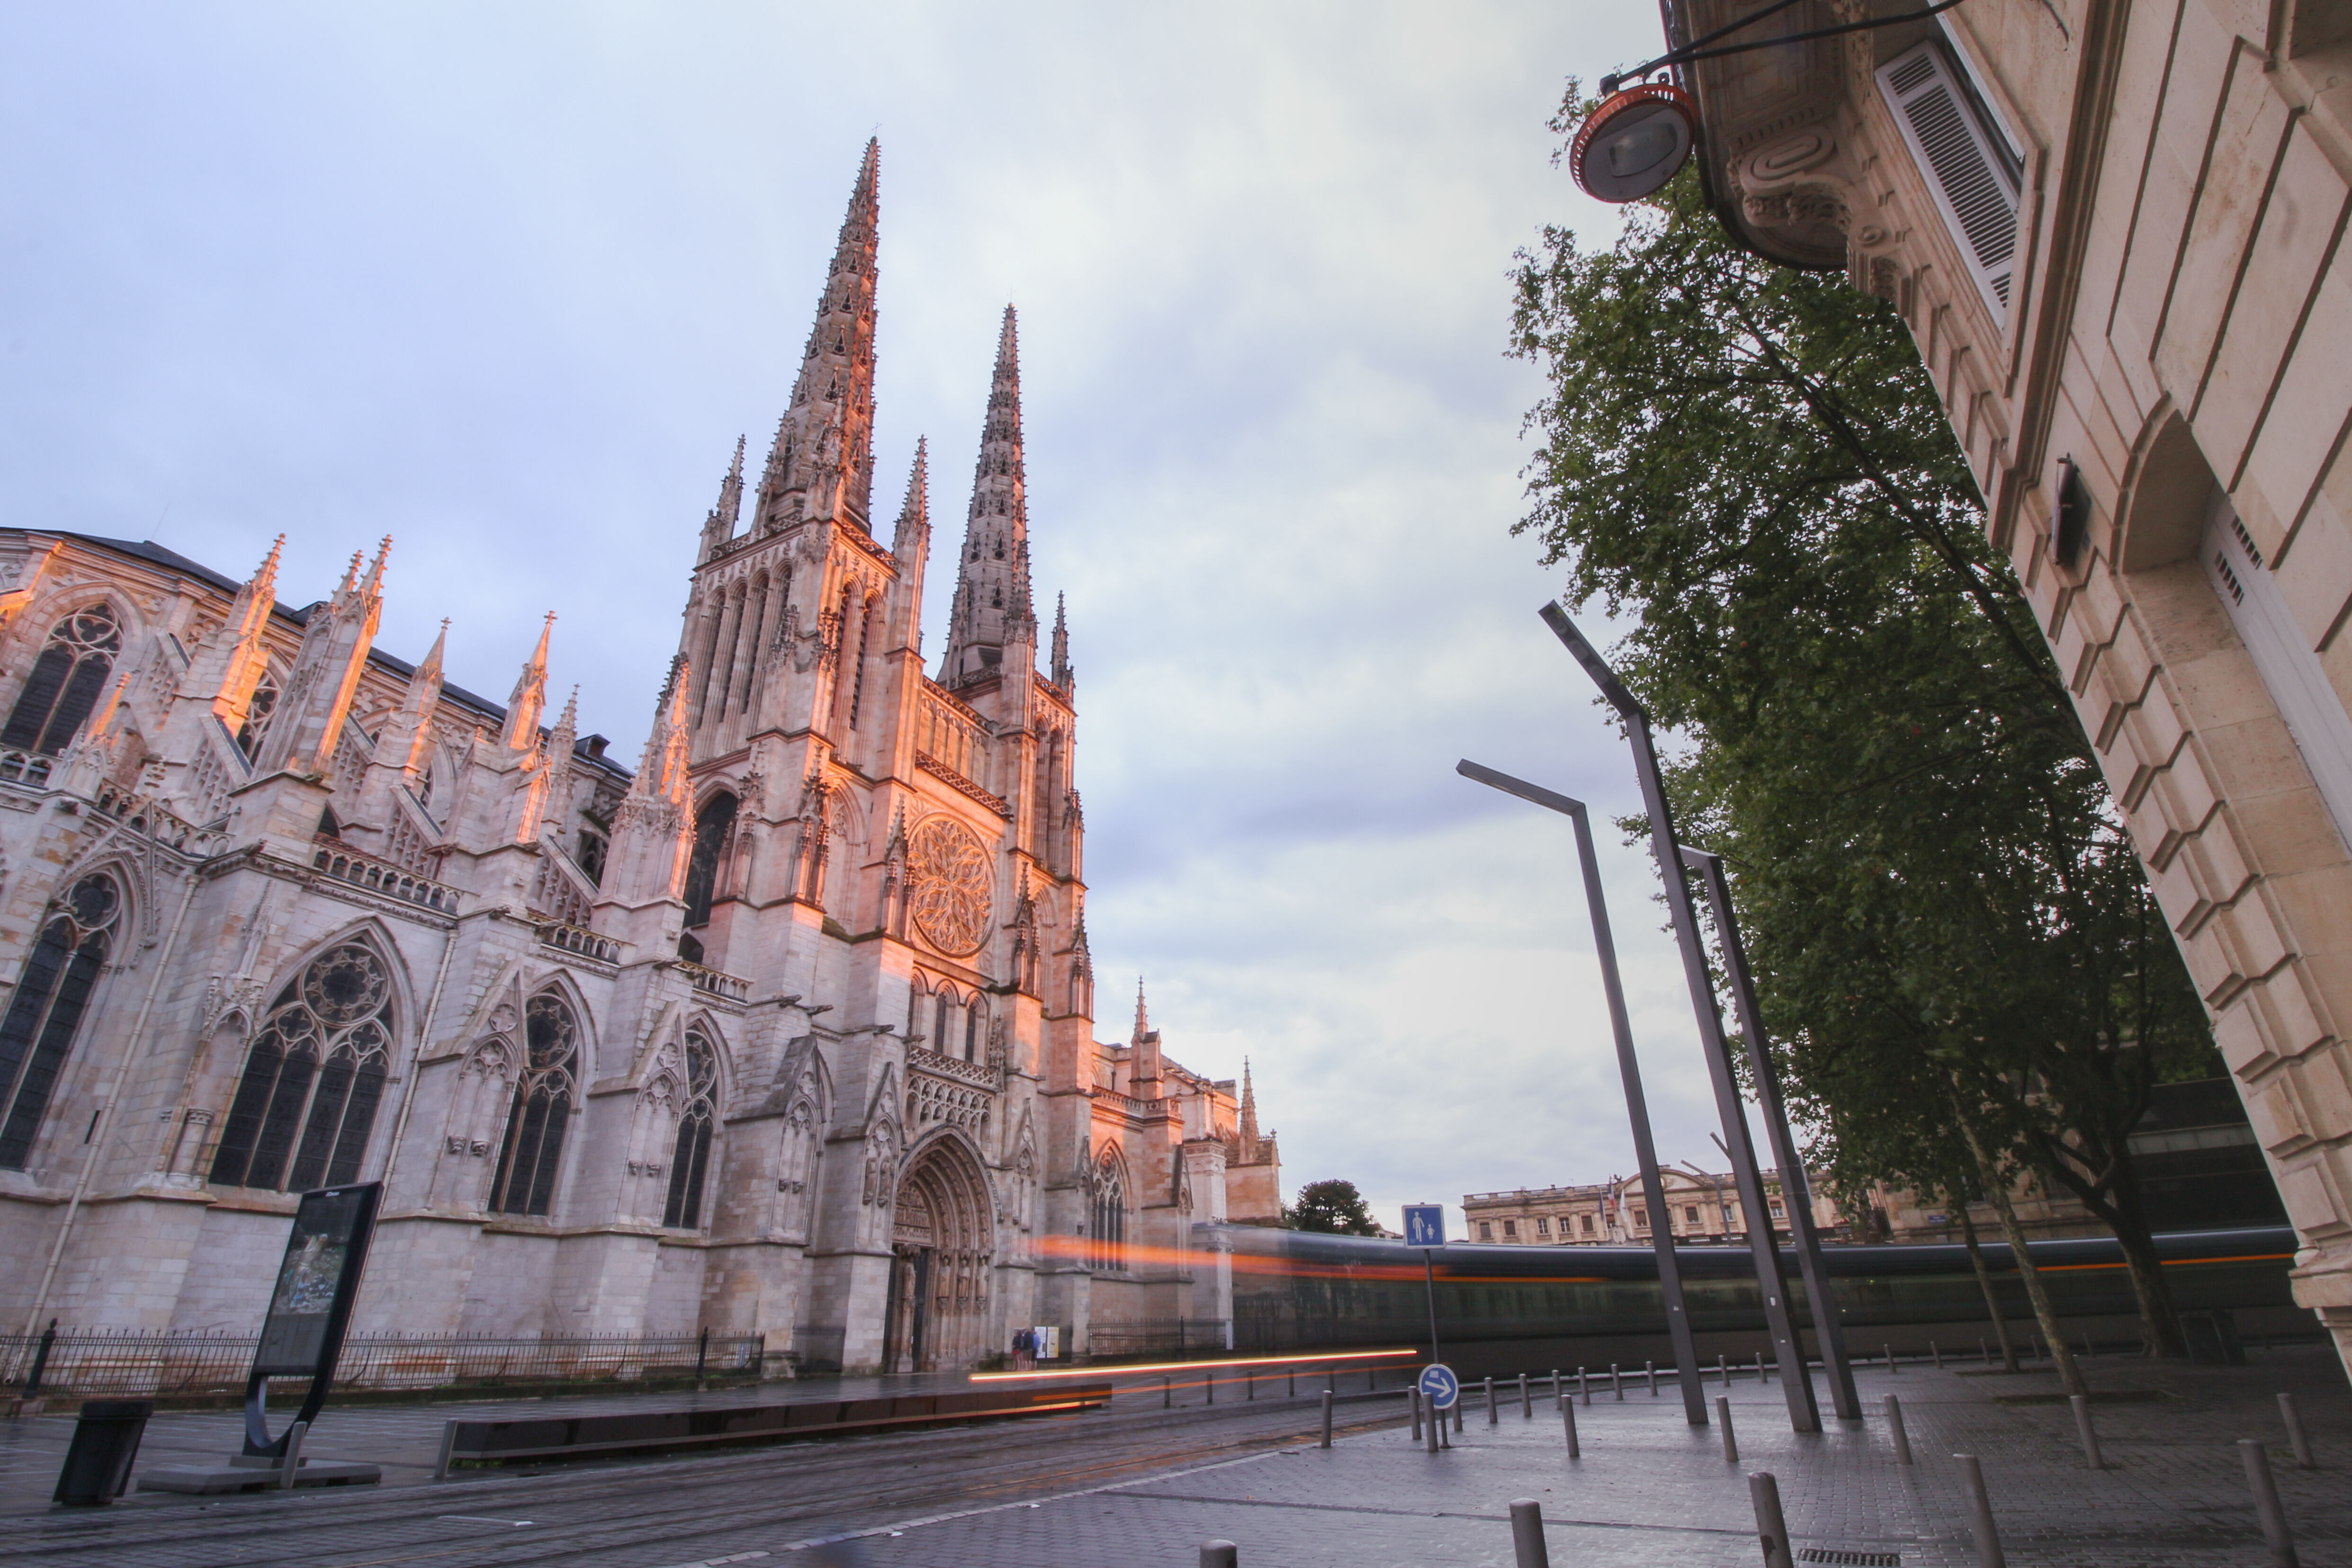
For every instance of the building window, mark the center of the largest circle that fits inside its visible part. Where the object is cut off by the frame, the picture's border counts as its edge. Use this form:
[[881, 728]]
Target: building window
[[1777, 1212], [533, 1146], [1543, 1226], [591, 858], [1485, 1230], [308, 1096], [1642, 1216], [1109, 1217], [692, 1156], [65, 682], [1690, 1215], [1587, 1224], [258, 709], [713, 826], [43, 1016], [1511, 1230], [1964, 162]]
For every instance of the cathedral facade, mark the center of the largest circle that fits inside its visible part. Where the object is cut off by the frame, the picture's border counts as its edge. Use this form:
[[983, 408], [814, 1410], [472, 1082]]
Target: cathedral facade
[[788, 1031]]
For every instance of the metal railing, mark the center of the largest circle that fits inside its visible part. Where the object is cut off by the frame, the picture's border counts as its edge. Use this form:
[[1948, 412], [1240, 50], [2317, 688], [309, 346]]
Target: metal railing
[[148, 1365], [1156, 1336]]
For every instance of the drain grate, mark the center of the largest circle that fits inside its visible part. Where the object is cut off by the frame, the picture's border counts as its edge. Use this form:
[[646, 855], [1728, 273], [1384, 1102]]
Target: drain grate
[[1850, 1559]]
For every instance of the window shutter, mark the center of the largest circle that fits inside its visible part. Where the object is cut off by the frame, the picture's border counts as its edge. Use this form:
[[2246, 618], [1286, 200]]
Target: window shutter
[[1955, 151]]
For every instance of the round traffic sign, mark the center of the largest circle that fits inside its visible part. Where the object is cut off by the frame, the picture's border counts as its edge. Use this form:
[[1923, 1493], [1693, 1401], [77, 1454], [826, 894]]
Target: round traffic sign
[[1439, 1385]]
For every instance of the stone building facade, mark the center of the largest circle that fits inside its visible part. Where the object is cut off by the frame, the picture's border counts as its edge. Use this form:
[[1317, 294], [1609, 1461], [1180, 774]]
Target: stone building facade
[[788, 1031], [1701, 1207], [2115, 228]]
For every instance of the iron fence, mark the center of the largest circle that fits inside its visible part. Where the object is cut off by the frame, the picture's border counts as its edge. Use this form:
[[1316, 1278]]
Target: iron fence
[[1158, 1336], [148, 1364]]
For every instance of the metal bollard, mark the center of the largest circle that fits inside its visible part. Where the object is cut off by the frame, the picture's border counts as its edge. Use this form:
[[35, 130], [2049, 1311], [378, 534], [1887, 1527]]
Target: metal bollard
[[1220, 1554], [1526, 1405], [1988, 1552], [2082, 1405], [1555, 1385], [1327, 1419], [1759, 1366], [1458, 1404], [1491, 1417], [1984, 1351], [1167, 1394], [1723, 1371], [1527, 1534], [1249, 1379], [2266, 1503], [1212, 1388], [1583, 1387], [1567, 1421], [1937, 1354], [1436, 1426], [2296, 1435], [1617, 1381], [1894, 1430], [1730, 1443], [1652, 1369], [1413, 1398], [1890, 1358], [291, 1467], [1294, 1381], [1764, 1493]]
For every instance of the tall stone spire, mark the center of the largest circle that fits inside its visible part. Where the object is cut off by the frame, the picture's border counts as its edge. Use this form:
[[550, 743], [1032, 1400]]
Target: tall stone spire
[[1142, 1019], [1248, 1129], [1061, 676], [555, 801], [720, 526], [822, 464], [520, 731], [993, 610], [912, 537], [408, 738]]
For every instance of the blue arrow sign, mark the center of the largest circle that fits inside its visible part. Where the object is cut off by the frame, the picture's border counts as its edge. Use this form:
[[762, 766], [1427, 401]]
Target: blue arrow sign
[[1439, 1385], [1424, 1225]]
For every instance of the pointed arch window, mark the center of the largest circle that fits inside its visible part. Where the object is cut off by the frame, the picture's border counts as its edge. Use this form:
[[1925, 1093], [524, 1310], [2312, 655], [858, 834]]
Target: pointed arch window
[[45, 1013], [713, 826], [1109, 1217], [313, 1078], [691, 1158], [258, 709], [65, 682], [533, 1147]]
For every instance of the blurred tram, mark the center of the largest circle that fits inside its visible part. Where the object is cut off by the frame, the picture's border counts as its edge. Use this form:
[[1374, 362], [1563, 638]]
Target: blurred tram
[[1513, 1308]]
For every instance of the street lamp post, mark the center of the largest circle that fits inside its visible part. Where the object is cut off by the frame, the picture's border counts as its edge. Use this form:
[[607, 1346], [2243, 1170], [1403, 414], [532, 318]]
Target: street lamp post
[[1796, 1190], [1629, 1067], [1797, 1384]]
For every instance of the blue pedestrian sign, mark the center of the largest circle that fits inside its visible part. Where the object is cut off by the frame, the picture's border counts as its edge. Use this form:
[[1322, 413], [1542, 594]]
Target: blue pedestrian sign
[[1424, 1225], [1439, 1385]]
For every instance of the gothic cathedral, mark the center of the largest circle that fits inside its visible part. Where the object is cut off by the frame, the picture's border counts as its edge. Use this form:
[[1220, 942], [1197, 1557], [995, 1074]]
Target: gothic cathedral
[[790, 1031]]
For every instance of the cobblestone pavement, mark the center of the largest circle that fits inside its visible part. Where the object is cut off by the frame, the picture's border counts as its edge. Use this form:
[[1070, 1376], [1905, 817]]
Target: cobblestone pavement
[[1135, 1485]]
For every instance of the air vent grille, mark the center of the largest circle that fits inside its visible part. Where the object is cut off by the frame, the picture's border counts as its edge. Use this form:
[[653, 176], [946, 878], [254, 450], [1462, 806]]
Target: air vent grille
[[1844, 1559]]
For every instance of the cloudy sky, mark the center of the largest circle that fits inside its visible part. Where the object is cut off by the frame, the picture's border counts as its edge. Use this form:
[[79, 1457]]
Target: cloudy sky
[[506, 281]]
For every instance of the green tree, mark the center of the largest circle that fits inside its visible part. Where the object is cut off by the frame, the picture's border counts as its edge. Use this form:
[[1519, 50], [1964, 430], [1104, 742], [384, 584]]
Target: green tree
[[1950, 933], [1334, 1207]]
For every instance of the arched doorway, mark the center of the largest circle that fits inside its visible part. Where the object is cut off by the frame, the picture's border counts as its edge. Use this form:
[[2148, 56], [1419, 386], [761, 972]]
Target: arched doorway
[[940, 1250]]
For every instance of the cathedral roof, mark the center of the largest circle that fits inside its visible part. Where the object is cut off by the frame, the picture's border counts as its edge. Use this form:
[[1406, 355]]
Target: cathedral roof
[[494, 715]]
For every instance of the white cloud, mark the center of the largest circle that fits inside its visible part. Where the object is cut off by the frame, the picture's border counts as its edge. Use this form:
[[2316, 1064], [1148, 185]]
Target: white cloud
[[506, 283]]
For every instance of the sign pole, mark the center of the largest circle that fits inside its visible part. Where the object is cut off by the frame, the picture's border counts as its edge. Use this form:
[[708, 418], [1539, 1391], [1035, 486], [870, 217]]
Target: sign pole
[[1797, 1382], [1428, 1280], [1629, 1067]]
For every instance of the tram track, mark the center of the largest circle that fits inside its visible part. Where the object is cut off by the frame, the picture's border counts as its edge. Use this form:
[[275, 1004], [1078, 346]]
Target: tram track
[[666, 1512]]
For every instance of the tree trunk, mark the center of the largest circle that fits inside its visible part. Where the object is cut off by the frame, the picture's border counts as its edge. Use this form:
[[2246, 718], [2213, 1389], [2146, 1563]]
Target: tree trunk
[[2120, 1207], [1984, 1283], [2070, 1376]]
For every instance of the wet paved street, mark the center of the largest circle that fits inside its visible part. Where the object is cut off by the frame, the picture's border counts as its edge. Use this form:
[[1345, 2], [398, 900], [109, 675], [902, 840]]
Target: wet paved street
[[1138, 1484]]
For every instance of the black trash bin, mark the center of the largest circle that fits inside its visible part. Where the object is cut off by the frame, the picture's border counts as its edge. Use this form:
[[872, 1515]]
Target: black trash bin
[[105, 1441]]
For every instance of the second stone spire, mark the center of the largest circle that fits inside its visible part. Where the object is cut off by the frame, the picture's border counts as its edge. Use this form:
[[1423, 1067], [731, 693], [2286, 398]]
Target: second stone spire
[[992, 612]]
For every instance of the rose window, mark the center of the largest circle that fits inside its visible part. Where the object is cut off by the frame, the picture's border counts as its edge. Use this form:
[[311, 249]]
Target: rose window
[[949, 885]]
